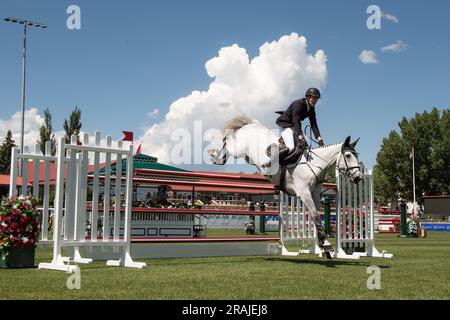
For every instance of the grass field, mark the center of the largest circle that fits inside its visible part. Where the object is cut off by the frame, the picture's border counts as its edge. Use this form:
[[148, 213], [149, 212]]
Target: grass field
[[420, 269]]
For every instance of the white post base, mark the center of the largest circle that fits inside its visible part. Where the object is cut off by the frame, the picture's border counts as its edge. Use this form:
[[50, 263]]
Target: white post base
[[373, 252], [340, 254], [285, 252], [126, 262], [58, 266], [78, 259]]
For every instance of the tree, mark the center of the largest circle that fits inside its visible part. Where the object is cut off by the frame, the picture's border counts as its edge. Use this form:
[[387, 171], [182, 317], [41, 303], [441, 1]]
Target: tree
[[5, 153], [429, 134], [73, 126], [46, 133]]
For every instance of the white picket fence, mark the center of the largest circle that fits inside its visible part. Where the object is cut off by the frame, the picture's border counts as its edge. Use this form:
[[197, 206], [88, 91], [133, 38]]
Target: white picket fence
[[71, 194], [355, 228], [36, 157]]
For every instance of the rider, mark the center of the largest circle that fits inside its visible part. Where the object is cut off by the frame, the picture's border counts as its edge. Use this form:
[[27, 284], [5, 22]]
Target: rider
[[290, 121]]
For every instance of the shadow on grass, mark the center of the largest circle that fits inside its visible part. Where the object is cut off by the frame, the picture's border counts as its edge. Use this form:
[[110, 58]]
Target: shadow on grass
[[333, 263], [329, 263]]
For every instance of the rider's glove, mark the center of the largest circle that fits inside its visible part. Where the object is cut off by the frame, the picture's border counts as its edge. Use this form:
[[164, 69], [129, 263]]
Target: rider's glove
[[321, 143]]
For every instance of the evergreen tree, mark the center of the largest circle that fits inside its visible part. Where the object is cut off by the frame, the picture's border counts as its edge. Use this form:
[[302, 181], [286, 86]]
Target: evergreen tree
[[73, 126], [46, 133], [5, 153]]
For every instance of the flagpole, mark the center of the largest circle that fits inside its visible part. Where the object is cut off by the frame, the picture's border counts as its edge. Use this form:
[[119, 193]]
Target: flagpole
[[414, 181]]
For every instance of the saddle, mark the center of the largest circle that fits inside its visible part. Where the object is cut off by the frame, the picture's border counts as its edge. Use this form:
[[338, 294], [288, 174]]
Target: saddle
[[293, 157]]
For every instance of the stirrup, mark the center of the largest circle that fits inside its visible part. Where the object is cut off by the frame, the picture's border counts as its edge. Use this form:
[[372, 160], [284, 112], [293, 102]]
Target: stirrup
[[269, 149]]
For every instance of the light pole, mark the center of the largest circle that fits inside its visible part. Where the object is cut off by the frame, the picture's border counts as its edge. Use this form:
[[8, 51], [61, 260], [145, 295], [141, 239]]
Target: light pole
[[24, 61]]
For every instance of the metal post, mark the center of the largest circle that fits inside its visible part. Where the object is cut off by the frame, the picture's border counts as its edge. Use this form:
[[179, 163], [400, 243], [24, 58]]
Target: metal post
[[262, 218], [414, 182], [24, 61], [403, 218], [326, 210]]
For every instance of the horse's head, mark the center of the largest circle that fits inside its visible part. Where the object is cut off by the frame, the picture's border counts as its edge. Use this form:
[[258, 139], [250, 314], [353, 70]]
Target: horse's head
[[347, 162]]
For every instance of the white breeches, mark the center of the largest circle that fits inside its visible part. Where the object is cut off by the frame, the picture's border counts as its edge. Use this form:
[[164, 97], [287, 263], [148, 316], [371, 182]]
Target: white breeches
[[288, 137]]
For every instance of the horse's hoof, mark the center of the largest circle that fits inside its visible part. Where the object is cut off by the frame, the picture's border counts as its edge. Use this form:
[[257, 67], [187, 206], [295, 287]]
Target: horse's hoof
[[327, 251]]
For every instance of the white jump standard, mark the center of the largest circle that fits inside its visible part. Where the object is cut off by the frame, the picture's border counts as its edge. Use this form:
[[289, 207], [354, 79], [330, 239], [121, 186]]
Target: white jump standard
[[70, 216], [355, 219], [354, 222]]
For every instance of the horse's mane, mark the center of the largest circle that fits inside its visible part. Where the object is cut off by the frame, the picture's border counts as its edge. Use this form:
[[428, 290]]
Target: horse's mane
[[238, 122], [327, 145]]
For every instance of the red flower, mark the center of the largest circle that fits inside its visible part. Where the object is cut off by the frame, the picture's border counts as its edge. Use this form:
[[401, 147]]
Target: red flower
[[21, 219], [24, 220]]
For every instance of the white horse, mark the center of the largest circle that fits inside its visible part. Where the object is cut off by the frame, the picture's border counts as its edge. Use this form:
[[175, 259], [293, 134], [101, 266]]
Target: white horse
[[249, 139]]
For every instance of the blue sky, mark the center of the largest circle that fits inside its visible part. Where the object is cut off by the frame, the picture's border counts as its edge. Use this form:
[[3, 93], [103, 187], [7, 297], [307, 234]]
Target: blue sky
[[131, 57]]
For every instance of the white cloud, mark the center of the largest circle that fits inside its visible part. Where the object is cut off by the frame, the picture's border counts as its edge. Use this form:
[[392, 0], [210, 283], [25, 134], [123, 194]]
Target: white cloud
[[368, 57], [32, 123], [399, 46], [153, 114], [281, 72], [389, 17]]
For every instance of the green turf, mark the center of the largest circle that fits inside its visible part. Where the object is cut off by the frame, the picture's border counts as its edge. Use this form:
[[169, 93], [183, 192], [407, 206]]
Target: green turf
[[420, 269]]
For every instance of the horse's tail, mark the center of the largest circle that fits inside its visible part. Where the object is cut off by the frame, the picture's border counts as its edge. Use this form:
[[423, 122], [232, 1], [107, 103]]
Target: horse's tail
[[237, 123], [230, 128]]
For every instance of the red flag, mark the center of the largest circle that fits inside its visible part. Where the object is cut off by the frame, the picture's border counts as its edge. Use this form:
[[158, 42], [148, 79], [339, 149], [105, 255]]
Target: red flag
[[128, 136], [139, 151]]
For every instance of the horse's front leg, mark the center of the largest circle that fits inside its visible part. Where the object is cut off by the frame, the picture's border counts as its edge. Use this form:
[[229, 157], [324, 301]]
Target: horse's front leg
[[316, 198], [309, 203]]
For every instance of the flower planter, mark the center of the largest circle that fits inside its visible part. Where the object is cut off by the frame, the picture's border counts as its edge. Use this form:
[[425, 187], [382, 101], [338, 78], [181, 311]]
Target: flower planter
[[19, 231], [18, 258]]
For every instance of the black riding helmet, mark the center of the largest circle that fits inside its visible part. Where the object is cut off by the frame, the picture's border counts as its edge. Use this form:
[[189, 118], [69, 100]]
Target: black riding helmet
[[312, 92]]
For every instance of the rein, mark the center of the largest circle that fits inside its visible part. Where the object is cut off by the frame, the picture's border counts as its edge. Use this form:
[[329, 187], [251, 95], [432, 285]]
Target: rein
[[346, 172]]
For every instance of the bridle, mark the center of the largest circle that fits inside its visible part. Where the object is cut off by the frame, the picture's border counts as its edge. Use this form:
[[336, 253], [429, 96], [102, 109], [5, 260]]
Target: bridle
[[346, 172]]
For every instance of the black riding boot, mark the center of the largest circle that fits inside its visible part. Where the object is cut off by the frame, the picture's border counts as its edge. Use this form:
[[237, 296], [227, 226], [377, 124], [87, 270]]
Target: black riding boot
[[278, 154]]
